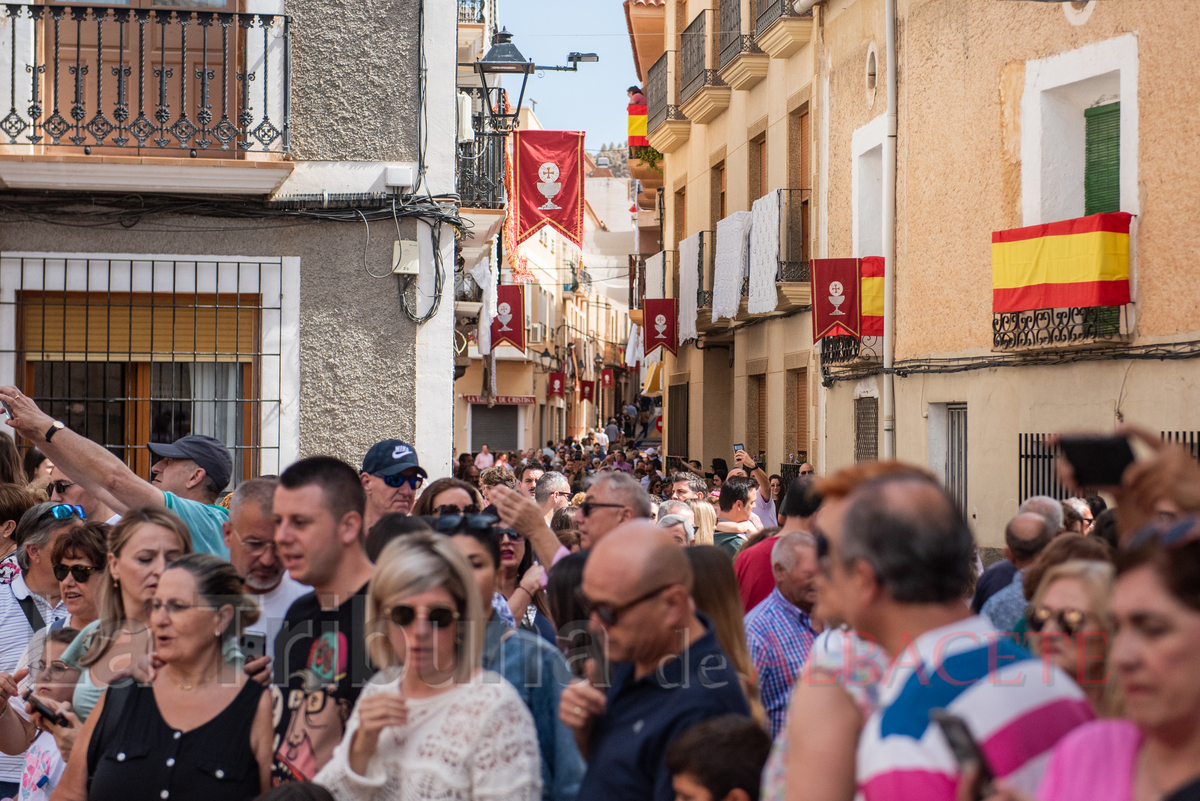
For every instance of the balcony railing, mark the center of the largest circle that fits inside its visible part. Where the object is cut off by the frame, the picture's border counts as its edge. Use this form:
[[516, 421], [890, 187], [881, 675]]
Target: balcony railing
[[771, 10], [662, 92], [704, 269], [1048, 328], [470, 11], [696, 68], [637, 281], [793, 211], [147, 79], [481, 162], [730, 39], [846, 350]]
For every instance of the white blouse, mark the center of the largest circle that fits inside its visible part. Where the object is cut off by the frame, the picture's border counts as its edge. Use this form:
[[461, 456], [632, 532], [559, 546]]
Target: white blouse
[[475, 741]]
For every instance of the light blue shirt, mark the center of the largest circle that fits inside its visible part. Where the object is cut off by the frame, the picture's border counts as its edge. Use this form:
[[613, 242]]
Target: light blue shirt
[[204, 520], [1006, 607]]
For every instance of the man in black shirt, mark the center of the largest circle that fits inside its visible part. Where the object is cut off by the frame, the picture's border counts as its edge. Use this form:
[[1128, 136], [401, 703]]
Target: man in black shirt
[[321, 661]]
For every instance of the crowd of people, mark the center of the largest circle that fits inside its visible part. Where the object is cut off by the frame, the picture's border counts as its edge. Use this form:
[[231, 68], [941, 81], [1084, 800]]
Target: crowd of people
[[577, 623]]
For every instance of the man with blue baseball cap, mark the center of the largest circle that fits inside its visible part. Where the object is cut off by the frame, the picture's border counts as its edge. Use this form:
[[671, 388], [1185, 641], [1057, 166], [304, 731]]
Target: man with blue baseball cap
[[391, 477]]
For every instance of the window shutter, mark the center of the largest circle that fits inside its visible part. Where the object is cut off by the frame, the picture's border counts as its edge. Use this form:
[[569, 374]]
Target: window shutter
[[1102, 166], [762, 418], [866, 429], [802, 410]]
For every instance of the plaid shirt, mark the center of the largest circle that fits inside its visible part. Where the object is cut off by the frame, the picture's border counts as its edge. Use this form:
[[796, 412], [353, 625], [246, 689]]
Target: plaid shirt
[[780, 636]]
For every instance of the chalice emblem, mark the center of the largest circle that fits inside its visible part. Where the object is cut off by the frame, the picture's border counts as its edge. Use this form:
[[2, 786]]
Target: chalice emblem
[[660, 324], [504, 314], [836, 297], [549, 186], [556, 385]]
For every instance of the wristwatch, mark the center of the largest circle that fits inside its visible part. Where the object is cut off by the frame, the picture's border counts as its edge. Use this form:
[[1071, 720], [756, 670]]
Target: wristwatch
[[59, 425]]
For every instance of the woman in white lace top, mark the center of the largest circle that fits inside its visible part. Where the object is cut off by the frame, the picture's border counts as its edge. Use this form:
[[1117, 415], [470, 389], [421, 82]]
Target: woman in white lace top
[[432, 724]]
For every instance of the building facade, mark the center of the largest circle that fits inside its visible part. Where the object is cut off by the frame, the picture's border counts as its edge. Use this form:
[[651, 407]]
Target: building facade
[[202, 210], [1008, 115]]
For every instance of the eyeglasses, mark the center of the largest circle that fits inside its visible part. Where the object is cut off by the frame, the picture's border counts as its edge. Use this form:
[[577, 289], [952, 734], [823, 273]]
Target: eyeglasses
[[451, 509], [173, 607], [439, 617], [81, 573], [508, 533], [56, 669], [398, 480], [451, 524], [256, 548], [609, 614], [560, 494], [807, 472], [61, 486], [587, 507], [65, 511], [1070, 621]]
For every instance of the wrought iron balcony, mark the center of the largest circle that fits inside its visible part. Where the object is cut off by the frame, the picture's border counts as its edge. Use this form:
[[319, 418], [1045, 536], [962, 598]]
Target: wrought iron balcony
[[481, 163], [661, 89], [848, 350], [771, 10], [470, 11], [637, 281], [148, 79], [695, 64], [730, 39], [793, 232], [1049, 328], [704, 267]]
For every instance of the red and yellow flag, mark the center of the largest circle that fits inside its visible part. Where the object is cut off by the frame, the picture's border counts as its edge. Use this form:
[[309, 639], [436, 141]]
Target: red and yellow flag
[[637, 126], [1073, 263], [872, 296]]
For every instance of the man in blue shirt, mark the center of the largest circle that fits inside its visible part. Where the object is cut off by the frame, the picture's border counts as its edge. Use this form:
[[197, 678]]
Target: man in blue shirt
[[779, 631], [188, 478], [668, 671]]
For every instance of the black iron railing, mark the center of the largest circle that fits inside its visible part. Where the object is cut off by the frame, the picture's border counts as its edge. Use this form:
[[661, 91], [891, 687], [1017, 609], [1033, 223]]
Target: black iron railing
[[148, 78], [793, 231], [693, 57], [470, 11], [844, 350], [481, 172], [729, 32], [771, 10], [1058, 327], [637, 281], [658, 94], [704, 296]]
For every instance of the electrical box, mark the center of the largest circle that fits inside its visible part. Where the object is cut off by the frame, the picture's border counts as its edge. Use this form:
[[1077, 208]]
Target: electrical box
[[398, 175], [406, 257]]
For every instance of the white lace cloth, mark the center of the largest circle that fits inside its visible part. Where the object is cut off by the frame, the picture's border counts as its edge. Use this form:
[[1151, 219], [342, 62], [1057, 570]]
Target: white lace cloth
[[689, 258], [733, 234], [482, 273], [633, 348], [764, 255], [476, 741], [654, 276]]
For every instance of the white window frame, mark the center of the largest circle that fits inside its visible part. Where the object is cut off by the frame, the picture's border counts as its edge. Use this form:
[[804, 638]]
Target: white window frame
[[74, 272], [1051, 161]]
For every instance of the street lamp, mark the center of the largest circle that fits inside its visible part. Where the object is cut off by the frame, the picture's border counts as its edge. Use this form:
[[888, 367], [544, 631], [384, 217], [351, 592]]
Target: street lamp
[[505, 59], [599, 362]]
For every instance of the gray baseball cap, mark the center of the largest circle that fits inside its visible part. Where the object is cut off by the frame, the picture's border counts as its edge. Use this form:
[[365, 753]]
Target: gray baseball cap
[[207, 452]]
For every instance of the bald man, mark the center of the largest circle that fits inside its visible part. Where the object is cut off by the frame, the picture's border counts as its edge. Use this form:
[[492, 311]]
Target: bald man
[[668, 671]]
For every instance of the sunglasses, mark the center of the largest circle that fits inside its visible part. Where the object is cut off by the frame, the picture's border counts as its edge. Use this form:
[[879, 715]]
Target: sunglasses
[[587, 507], [451, 509], [65, 511], [81, 573], [806, 472], [439, 617], [397, 481], [508, 533], [1070, 621], [61, 486], [450, 524], [609, 614]]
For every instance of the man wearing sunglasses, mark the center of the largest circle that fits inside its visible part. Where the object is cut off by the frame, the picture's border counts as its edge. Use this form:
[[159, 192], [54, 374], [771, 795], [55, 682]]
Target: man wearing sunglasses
[[612, 499], [391, 477], [64, 490], [668, 673], [188, 477], [552, 492]]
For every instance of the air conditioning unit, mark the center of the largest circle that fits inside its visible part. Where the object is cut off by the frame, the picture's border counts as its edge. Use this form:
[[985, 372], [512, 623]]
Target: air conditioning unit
[[537, 333]]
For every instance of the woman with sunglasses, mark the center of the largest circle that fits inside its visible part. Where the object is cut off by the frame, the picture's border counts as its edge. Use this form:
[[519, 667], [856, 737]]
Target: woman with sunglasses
[[448, 496], [432, 723], [1070, 626], [519, 580], [1154, 752], [201, 728], [534, 667]]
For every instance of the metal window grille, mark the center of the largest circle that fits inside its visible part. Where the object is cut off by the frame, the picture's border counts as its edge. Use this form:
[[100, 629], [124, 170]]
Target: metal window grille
[[1038, 475], [127, 352], [956, 454], [677, 420], [866, 429], [1188, 439]]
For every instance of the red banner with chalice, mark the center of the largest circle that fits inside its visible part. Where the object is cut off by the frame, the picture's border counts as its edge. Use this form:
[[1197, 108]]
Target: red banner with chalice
[[555, 383], [547, 183], [587, 390], [661, 317], [509, 323], [606, 378]]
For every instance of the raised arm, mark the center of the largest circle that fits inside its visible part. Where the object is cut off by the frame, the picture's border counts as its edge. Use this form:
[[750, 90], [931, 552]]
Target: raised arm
[[99, 471], [525, 517], [755, 472]]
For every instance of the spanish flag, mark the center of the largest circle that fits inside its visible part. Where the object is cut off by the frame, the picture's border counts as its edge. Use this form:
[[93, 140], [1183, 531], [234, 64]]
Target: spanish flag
[[637, 126], [872, 296], [1074, 263]]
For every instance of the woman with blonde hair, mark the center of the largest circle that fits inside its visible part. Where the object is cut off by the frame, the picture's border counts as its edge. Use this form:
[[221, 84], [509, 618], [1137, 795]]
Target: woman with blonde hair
[[1070, 625], [706, 521], [715, 592], [432, 723]]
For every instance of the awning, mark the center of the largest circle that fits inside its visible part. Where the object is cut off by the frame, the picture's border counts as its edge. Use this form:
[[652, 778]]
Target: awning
[[653, 380]]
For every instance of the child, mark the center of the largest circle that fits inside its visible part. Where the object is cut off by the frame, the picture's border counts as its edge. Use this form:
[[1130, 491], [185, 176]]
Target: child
[[720, 759], [44, 764]]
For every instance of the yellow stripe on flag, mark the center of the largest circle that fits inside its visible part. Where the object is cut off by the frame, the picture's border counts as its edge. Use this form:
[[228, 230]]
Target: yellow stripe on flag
[[637, 125], [1074, 258], [872, 297]]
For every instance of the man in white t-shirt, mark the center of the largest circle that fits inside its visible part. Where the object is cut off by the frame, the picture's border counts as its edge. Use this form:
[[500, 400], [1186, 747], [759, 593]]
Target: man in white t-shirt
[[763, 508], [250, 536]]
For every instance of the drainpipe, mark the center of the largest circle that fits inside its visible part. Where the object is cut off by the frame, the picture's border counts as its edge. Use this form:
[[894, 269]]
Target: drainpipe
[[889, 236]]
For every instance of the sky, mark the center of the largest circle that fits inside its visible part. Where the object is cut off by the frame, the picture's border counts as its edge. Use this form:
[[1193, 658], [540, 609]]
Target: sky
[[592, 99]]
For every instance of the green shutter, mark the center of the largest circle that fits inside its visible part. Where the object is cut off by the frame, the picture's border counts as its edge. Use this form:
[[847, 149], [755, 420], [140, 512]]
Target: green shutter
[[1102, 167]]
